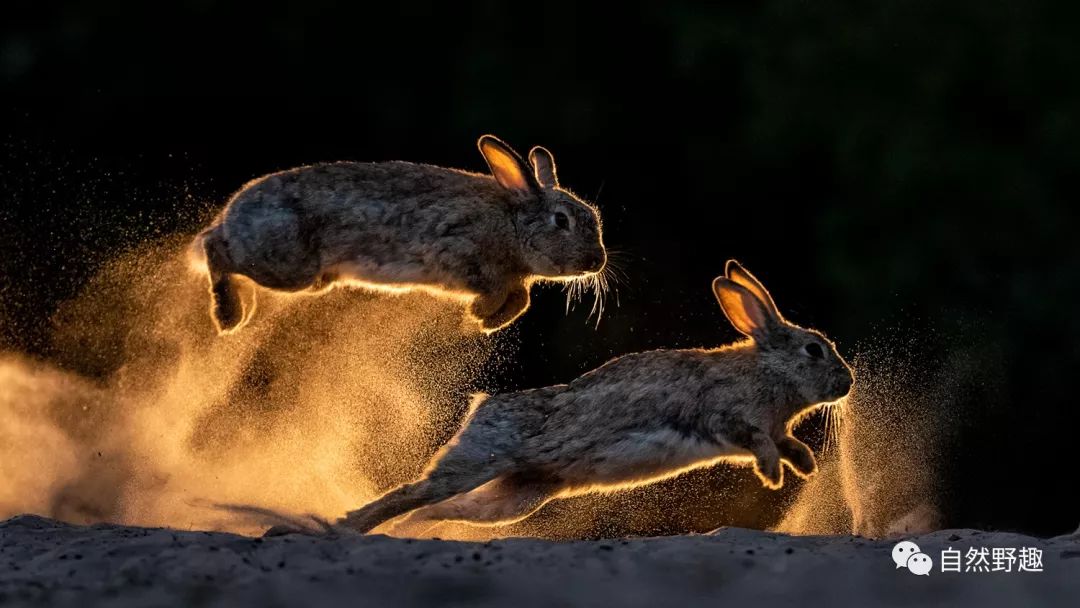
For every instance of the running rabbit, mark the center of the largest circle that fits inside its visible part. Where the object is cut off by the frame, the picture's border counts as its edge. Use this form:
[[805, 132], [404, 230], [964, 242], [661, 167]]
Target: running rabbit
[[635, 420], [400, 225]]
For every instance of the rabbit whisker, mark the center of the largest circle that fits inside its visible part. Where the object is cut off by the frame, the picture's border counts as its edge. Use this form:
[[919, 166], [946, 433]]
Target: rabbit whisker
[[828, 428], [600, 284], [838, 419], [834, 415]]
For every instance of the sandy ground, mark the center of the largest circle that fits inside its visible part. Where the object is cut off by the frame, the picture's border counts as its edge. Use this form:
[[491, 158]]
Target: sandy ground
[[47, 562]]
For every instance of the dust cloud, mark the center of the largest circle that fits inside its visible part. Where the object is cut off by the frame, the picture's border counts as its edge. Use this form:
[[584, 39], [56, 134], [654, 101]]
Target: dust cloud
[[145, 416], [886, 476]]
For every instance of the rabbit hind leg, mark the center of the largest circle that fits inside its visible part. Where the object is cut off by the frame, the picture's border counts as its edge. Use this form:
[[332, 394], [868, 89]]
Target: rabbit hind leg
[[504, 501], [454, 473], [226, 307]]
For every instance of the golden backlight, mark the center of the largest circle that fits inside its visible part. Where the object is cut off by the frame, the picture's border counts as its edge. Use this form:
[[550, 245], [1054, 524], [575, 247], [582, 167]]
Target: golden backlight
[[146, 416]]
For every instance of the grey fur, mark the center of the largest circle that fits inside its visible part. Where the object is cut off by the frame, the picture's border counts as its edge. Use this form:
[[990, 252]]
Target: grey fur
[[637, 419], [485, 238]]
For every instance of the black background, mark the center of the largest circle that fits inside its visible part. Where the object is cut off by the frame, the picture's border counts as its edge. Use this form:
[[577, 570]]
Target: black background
[[894, 164]]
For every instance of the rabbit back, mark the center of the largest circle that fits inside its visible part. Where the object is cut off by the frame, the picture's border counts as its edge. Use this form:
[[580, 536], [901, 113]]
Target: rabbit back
[[637, 418], [394, 223]]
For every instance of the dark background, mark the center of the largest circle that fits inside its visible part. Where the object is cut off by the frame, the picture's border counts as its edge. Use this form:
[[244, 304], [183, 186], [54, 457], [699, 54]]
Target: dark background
[[896, 164]]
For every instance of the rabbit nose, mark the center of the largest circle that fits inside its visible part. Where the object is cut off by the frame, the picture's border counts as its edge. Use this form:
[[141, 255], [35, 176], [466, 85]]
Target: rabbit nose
[[597, 262], [846, 382]]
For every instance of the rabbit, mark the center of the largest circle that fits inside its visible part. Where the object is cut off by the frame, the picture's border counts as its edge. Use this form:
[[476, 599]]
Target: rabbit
[[399, 225], [637, 419]]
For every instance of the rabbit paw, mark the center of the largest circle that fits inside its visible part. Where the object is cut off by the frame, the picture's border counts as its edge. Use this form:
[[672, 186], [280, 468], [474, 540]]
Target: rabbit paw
[[798, 455], [315, 527], [770, 473], [515, 303], [228, 316], [766, 459], [227, 310], [284, 530]]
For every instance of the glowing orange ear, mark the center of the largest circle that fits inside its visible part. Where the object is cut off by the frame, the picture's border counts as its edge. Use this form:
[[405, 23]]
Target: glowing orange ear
[[742, 276], [745, 311], [506, 166]]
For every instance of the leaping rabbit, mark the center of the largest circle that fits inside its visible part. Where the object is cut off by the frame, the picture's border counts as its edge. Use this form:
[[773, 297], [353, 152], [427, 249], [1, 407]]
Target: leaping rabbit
[[635, 420], [400, 225]]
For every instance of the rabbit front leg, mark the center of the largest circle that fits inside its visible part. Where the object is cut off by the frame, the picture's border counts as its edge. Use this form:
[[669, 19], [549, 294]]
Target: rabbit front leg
[[798, 455], [497, 307], [731, 428], [766, 459]]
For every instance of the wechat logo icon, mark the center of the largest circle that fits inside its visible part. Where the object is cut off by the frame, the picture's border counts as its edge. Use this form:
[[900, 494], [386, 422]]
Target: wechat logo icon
[[907, 554]]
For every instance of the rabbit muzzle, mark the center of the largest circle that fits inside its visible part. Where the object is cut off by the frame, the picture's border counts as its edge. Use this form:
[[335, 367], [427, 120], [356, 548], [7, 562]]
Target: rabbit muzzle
[[841, 384], [596, 261]]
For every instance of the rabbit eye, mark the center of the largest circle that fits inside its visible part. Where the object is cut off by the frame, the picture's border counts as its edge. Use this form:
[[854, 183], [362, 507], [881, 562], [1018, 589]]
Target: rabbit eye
[[561, 220], [814, 350]]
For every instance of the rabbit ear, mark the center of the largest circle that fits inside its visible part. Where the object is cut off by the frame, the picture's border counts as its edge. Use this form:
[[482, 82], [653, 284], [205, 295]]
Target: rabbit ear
[[544, 165], [742, 276], [746, 312], [507, 167]]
